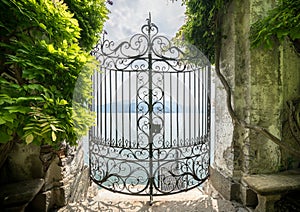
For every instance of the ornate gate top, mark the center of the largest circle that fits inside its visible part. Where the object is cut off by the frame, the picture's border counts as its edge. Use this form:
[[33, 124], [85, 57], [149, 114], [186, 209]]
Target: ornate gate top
[[167, 55]]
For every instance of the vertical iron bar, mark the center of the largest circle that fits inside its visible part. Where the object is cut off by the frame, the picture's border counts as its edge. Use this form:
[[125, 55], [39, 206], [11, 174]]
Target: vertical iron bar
[[129, 126], [209, 111], [177, 108], [105, 109], [116, 106], [101, 105], [190, 115], [136, 111], [199, 106], [205, 101], [164, 111], [110, 109], [184, 109], [151, 180], [95, 106], [122, 108], [171, 112], [202, 102], [194, 108]]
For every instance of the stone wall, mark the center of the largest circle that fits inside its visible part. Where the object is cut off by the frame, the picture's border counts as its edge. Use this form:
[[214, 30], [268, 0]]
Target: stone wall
[[262, 81], [66, 177]]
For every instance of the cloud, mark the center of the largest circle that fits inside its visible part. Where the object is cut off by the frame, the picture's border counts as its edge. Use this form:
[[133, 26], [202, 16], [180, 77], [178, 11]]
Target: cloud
[[127, 17]]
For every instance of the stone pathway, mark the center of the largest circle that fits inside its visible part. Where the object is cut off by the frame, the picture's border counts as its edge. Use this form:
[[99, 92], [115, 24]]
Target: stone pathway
[[191, 201]]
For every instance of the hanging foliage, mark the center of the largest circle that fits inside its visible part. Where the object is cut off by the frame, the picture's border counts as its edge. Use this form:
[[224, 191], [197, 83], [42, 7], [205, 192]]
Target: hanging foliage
[[281, 22], [43, 51], [200, 28]]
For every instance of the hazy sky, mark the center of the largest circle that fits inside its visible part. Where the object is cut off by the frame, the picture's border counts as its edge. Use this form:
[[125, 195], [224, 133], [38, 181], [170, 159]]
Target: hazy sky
[[127, 17]]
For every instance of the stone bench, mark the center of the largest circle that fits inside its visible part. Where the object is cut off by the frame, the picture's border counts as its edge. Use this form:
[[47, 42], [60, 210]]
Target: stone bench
[[270, 187], [16, 196]]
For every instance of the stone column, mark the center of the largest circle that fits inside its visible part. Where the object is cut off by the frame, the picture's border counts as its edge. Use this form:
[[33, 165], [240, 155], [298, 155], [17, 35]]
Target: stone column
[[261, 81]]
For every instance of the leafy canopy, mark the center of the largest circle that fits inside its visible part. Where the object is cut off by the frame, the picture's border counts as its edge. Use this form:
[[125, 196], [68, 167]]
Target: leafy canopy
[[44, 51]]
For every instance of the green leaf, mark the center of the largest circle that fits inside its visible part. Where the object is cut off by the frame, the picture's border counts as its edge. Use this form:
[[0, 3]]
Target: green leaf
[[4, 137], [17, 109], [29, 139], [35, 98], [63, 102], [43, 26], [53, 136], [2, 121], [53, 127], [51, 48]]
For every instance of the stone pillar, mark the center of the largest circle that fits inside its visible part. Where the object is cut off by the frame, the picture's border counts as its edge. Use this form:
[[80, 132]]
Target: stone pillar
[[234, 64], [261, 82]]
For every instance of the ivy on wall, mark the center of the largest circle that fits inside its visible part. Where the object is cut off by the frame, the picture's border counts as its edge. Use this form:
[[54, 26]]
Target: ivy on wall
[[44, 48], [281, 22], [203, 29]]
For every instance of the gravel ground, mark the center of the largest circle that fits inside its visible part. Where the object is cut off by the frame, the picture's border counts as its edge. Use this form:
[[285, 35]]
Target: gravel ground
[[194, 200]]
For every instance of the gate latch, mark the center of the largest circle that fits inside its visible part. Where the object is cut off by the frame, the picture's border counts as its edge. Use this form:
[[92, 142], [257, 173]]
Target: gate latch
[[156, 128]]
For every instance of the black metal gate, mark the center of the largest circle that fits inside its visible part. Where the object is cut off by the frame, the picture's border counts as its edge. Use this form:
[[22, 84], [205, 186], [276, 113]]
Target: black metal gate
[[152, 100]]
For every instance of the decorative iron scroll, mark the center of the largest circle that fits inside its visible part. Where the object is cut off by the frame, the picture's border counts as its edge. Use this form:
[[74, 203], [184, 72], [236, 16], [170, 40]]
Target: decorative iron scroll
[[152, 100]]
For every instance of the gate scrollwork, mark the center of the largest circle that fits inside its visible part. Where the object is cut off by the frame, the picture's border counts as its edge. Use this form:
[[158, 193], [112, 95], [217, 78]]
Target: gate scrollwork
[[152, 100]]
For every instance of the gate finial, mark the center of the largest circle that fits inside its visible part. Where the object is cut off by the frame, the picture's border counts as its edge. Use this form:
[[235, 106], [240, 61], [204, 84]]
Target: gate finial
[[149, 20]]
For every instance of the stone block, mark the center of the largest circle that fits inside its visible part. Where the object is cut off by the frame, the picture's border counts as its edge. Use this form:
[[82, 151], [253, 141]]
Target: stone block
[[23, 163], [269, 184], [53, 175], [266, 203], [42, 202], [224, 185], [19, 193], [269, 188], [248, 196]]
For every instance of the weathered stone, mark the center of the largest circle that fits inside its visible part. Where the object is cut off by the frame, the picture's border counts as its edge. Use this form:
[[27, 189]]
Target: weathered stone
[[22, 163], [274, 183], [19, 193], [53, 175], [248, 196], [261, 82], [270, 187], [81, 187], [266, 203], [224, 185], [43, 202]]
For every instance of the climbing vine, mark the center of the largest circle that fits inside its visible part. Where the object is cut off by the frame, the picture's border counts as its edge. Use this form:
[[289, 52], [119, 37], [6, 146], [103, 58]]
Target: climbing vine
[[200, 27], [203, 29]]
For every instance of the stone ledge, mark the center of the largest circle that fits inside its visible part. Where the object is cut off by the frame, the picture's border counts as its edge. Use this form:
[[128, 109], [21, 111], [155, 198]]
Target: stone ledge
[[19, 193], [271, 184], [270, 187]]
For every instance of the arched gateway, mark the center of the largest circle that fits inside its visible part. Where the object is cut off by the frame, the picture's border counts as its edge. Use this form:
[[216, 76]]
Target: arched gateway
[[152, 100]]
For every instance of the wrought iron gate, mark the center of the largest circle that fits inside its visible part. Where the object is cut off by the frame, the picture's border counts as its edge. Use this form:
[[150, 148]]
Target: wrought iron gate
[[152, 100]]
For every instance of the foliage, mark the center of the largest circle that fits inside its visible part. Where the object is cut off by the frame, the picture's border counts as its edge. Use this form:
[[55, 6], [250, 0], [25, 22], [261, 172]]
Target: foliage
[[200, 28], [88, 13], [281, 22], [43, 51]]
